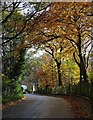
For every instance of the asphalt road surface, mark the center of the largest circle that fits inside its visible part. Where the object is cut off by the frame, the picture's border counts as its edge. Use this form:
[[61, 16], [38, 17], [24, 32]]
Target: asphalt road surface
[[39, 107]]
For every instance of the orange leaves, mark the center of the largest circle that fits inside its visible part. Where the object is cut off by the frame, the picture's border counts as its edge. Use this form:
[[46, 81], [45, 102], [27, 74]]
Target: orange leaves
[[64, 19]]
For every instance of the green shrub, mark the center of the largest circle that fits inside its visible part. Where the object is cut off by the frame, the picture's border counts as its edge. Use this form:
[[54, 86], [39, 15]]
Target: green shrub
[[11, 90], [43, 91], [57, 90]]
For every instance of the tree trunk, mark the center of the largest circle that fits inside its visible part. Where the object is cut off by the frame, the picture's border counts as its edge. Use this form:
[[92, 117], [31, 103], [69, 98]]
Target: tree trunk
[[80, 74], [59, 73], [83, 73]]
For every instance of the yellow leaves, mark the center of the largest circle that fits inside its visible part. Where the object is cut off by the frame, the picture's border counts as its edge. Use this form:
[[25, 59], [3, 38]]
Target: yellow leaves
[[58, 20]]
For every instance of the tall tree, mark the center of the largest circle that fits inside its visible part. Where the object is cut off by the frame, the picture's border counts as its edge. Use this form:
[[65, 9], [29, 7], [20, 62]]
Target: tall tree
[[75, 25], [15, 20], [55, 49]]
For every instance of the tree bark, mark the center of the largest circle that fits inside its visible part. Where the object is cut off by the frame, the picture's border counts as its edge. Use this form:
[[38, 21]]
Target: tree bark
[[83, 72], [59, 73]]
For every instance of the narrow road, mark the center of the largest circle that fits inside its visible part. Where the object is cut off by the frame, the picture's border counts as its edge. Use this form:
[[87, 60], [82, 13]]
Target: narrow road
[[39, 107]]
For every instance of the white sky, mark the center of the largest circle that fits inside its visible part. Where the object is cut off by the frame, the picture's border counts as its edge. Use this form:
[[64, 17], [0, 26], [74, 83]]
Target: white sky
[[37, 54]]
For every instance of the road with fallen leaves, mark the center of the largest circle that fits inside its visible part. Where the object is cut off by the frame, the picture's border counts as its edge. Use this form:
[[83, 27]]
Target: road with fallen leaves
[[36, 106]]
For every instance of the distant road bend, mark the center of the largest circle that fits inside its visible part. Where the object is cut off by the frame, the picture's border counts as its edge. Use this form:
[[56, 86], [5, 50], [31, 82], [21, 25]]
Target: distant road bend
[[37, 106]]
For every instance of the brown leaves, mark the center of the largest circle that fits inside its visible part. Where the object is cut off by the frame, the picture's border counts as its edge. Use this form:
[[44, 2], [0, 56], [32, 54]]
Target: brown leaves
[[80, 106]]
